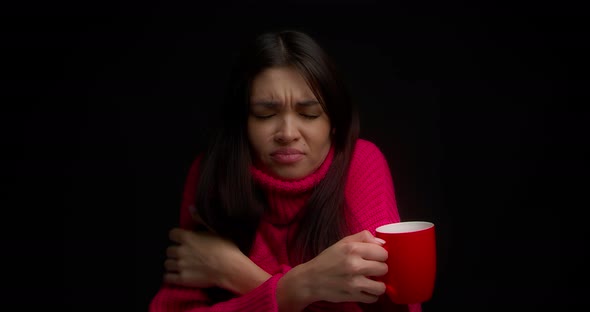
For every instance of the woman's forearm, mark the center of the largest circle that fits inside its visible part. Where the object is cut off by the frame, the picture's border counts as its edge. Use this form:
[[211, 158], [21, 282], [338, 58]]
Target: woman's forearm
[[242, 276], [293, 293]]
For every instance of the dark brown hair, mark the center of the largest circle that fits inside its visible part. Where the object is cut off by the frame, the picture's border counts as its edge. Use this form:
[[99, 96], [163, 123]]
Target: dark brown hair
[[228, 202]]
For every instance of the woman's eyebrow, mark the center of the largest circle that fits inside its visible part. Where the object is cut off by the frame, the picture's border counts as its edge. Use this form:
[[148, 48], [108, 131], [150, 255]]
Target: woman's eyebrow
[[308, 103], [274, 104], [266, 103]]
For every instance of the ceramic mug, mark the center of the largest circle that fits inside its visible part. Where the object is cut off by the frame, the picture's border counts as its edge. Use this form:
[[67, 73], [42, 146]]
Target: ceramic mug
[[411, 262]]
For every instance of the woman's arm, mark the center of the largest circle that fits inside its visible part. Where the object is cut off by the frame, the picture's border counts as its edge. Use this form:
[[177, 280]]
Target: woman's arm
[[371, 201], [172, 297], [338, 278], [337, 275], [204, 260], [259, 291]]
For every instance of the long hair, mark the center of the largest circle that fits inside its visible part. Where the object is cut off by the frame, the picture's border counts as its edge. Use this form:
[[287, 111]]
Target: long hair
[[228, 202]]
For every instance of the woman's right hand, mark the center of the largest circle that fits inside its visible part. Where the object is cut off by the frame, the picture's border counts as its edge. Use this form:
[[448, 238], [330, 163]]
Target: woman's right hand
[[341, 273]]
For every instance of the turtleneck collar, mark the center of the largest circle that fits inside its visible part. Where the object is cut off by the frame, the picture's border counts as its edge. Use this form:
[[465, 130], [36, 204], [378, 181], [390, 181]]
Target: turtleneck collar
[[286, 197], [276, 184]]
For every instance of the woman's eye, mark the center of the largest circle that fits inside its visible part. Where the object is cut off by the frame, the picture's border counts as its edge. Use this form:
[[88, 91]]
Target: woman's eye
[[308, 116], [264, 116]]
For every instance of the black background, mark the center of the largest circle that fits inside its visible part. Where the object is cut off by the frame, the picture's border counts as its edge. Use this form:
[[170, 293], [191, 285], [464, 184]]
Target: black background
[[479, 108]]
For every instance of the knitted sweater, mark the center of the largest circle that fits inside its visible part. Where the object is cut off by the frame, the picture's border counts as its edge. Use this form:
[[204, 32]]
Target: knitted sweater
[[371, 201]]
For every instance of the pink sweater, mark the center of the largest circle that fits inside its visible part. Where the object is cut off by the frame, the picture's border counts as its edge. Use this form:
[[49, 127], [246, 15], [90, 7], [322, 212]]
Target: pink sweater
[[371, 199]]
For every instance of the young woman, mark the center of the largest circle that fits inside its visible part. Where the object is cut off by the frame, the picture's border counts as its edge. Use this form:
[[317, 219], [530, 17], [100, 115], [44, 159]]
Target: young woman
[[279, 213]]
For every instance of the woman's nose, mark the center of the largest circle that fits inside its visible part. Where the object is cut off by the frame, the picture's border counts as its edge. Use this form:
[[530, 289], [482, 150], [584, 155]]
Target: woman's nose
[[287, 131]]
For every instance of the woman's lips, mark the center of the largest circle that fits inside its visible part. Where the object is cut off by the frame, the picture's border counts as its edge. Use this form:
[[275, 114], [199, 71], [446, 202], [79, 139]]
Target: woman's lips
[[287, 156]]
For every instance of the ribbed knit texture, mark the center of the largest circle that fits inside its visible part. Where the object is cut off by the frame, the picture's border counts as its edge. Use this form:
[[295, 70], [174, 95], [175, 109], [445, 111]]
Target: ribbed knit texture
[[286, 198], [371, 199]]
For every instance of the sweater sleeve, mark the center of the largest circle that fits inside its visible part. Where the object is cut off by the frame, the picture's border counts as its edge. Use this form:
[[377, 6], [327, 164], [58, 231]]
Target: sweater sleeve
[[370, 196], [172, 298], [175, 298]]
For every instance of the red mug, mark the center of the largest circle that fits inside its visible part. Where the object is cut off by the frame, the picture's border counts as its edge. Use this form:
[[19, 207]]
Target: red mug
[[411, 262]]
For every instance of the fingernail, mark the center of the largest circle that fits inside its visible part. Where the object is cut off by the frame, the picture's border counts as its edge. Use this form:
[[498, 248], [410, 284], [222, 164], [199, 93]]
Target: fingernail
[[379, 240]]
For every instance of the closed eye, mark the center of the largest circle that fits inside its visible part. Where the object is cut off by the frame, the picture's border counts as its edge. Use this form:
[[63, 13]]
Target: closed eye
[[264, 116], [307, 116]]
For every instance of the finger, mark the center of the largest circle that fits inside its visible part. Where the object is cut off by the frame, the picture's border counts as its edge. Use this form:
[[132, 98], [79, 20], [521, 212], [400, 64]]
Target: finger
[[171, 265], [177, 235], [371, 252], [371, 287], [172, 252], [172, 278], [366, 297], [373, 268], [363, 237]]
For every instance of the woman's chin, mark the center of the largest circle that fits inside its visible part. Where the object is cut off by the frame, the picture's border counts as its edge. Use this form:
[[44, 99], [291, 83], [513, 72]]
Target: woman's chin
[[289, 174]]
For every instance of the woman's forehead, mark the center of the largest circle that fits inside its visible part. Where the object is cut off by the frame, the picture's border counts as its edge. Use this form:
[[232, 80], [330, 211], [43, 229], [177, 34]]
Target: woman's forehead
[[276, 83]]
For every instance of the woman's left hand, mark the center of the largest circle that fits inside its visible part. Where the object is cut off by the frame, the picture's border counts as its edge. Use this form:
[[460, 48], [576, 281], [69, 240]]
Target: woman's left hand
[[198, 260], [205, 260]]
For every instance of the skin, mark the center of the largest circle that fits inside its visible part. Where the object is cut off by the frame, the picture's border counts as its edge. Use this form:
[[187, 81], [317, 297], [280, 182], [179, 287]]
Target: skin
[[204, 260], [338, 274], [341, 273], [284, 113]]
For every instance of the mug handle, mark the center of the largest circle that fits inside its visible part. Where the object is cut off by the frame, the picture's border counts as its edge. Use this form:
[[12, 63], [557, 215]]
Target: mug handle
[[389, 290]]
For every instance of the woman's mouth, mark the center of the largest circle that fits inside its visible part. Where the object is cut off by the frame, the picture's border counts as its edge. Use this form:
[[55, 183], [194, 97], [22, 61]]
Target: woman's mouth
[[287, 155]]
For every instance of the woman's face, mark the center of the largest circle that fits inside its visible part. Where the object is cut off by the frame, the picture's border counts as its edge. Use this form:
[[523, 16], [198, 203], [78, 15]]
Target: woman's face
[[288, 130]]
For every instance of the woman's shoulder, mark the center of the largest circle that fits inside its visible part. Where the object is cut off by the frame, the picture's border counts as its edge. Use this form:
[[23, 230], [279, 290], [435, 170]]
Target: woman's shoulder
[[365, 145], [189, 194], [369, 189], [193, 171], [366, 151], [197, 159], [367, 162]]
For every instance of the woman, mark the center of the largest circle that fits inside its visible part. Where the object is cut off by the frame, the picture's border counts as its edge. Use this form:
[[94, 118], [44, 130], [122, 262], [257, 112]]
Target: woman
[[279, 213]]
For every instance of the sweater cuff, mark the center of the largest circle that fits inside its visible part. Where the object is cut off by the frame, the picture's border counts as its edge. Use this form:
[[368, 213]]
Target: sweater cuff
[[262, 298]]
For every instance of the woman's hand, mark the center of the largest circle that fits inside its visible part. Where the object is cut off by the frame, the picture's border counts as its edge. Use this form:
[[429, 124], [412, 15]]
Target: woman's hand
[[205, 260], [341, 273]]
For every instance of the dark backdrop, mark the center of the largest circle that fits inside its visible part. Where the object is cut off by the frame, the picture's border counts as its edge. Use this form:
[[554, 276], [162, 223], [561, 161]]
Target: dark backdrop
[[473, 105]]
